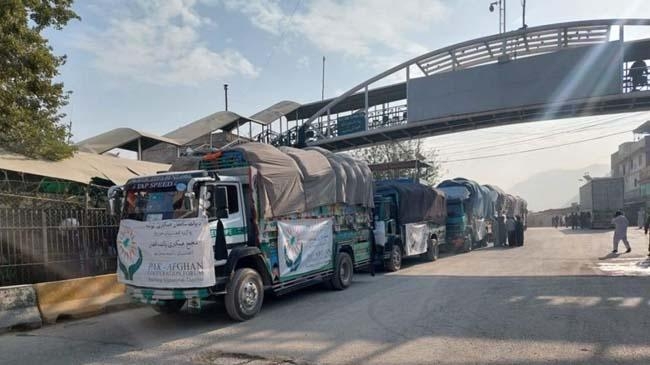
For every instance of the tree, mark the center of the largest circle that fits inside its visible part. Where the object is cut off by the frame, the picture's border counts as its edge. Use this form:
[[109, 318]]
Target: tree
[[402, 151], [30, 100]]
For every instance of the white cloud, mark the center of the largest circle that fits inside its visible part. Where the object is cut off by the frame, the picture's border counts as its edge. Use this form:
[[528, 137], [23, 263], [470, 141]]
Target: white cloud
[[264, 14], [303, 62], [351, 28], [158, 42]]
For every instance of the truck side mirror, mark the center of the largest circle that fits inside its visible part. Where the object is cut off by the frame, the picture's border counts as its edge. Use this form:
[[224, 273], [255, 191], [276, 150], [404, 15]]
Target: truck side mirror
[[221, 202], [189, 200], [111, 206]]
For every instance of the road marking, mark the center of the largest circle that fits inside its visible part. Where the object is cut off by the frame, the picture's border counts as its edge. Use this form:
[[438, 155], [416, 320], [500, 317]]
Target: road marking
[[625, 267]]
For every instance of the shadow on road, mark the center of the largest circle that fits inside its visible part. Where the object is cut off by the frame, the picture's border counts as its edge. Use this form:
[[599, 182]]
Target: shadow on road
[[569, 231], [441, 317]]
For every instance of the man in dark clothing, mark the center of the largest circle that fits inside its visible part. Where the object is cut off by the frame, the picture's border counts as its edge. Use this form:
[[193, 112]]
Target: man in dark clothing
[[502, 232], [519, 231]]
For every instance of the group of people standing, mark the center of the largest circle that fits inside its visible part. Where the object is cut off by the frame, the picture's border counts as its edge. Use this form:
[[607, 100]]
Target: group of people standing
[[573, 220], [509, 231]]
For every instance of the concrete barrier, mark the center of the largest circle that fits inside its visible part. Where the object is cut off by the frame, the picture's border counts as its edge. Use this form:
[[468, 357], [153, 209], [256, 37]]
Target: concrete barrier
[[80, 297], [18, 308]]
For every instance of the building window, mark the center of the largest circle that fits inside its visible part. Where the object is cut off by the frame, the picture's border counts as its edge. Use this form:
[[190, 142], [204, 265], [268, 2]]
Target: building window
[[636, 182]]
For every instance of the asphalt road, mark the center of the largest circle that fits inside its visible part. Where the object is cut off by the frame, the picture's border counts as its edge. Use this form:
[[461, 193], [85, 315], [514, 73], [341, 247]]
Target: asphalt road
[[560, 299]]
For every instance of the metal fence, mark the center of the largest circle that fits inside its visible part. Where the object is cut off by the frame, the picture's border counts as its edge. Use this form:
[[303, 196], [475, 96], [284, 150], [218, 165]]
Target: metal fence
[[38, 245]]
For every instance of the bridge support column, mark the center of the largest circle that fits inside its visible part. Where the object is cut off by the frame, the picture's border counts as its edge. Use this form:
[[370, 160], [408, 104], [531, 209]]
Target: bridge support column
[[365, 100]]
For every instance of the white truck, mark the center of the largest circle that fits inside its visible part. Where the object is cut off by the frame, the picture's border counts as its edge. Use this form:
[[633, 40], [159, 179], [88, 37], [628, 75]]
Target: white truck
[[239, 222]]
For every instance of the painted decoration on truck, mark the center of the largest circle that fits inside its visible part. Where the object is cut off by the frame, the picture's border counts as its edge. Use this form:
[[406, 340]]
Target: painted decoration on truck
[[174, 253], [304, 246], [416, 238]]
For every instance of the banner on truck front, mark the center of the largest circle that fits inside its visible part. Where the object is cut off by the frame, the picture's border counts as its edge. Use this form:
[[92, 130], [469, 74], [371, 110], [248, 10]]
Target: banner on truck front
[[416, 238], [174, 253], [304, 245]]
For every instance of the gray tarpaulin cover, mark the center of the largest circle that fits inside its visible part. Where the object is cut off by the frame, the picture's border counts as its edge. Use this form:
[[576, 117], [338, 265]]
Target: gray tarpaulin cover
[[280, 176], [339, 172], [480, 202], [286, 186], [319, 179], [354, 178], [498, 198], [293, 180], [515, 206], [417, 202]]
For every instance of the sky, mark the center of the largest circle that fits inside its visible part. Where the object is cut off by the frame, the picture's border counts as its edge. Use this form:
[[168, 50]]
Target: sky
[[155, 65]]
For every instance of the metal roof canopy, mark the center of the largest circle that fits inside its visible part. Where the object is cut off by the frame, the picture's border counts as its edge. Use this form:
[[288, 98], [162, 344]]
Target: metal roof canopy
[[398, 165], [275, 111], [124, 138], [380, 95], [224, 120], [82, 167]]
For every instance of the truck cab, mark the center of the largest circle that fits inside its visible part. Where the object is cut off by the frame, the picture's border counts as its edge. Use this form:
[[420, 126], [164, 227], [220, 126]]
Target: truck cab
[[458, 235]]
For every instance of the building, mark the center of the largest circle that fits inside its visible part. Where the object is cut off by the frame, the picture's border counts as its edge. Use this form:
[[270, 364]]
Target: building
[[631, 163]]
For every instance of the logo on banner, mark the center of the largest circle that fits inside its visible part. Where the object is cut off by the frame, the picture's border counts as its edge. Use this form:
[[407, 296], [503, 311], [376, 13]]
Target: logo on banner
[[293, 252], [129, 258]]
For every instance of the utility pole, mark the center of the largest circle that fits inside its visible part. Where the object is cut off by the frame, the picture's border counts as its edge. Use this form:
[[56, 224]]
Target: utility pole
[[322, 90], [225, 91], [502, 14]]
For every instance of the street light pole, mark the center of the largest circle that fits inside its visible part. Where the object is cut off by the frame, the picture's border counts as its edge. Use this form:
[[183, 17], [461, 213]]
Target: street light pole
[[225, 92]]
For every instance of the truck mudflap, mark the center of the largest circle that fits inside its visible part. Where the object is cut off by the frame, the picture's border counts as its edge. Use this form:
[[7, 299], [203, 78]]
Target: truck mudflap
[[153, 295]]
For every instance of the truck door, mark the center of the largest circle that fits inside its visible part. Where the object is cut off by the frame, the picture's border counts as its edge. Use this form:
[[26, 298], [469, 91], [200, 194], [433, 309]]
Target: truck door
[[235, 222]]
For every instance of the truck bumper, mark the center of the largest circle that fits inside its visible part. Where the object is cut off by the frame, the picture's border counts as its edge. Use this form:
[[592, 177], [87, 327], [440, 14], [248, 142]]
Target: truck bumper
[[155, 295]]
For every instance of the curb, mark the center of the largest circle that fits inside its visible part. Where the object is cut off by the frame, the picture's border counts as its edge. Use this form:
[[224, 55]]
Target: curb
[[18, 308], [79, 298]]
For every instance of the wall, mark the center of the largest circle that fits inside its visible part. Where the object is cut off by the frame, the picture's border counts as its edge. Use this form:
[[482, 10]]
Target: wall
[[629, 162], [568, 74]]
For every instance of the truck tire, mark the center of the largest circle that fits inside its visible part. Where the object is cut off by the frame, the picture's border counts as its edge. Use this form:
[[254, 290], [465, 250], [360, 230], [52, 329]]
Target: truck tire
[[394, 262], [343, 271], [432, 250], [244, 294], [169, 306], [468, 245]]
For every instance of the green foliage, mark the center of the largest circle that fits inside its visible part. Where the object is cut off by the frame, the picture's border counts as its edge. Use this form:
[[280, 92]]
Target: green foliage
[[403, 151], [30, 100]]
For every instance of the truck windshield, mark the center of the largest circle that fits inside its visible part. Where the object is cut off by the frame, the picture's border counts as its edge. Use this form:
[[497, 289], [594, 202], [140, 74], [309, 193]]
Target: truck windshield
[[454, 210], [148, 205]]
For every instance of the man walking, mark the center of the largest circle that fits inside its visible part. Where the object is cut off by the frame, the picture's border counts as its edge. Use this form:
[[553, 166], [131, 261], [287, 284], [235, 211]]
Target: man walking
[[620, 232], [519, 231], [510, 227]]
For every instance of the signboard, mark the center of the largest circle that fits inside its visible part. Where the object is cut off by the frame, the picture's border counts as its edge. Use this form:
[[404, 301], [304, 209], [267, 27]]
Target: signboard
[[174, 253], [351, 123], [304, 245], [163, 181], [416, 238]]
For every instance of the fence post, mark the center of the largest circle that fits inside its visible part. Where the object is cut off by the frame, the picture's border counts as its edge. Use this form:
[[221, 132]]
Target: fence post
[[46, 251]]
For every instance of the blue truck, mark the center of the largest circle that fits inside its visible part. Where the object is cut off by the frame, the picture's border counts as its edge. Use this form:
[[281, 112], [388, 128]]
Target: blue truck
[[468, 206]]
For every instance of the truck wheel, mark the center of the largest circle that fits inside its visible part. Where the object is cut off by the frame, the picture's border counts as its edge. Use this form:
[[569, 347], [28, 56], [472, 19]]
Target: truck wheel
[[244, 294], [343, 271], [394, 263], [169, 306], [432, 250]]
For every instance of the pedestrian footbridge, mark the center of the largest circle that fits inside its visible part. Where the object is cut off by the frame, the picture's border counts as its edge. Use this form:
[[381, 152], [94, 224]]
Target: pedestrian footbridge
[[530, 74]]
